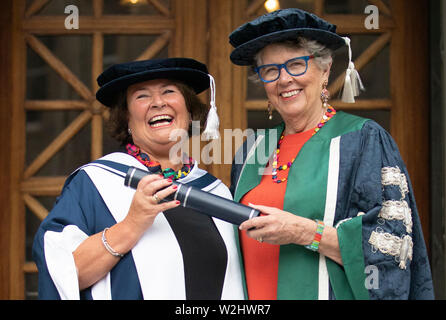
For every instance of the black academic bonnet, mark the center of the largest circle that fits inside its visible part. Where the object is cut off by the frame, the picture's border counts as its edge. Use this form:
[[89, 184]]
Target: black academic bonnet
[[119, 77], [280, 25]]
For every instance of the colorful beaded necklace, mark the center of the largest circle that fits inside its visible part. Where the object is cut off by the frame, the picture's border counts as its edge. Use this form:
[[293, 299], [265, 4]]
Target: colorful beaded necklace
[[155, 166], [327, 116]]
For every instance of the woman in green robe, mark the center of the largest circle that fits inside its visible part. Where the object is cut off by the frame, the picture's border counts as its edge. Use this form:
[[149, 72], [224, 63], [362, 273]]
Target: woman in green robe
[[339, 216]]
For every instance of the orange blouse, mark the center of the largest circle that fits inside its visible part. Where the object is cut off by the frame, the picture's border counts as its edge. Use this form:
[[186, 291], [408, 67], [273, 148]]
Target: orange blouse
[[261, 260]]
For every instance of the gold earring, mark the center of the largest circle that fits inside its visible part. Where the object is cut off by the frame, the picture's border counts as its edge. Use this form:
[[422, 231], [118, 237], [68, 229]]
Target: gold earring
[[325, 94], [270, 111]]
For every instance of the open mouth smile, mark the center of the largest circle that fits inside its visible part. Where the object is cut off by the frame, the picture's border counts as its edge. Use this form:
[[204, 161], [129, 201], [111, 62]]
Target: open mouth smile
[[160, 121], [290, 94]]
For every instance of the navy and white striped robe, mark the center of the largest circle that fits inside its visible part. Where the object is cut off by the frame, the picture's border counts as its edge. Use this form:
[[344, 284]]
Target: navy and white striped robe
[[170, 261]]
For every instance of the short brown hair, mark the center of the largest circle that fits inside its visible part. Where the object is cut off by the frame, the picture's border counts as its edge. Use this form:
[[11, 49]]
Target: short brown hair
[[119, 115]]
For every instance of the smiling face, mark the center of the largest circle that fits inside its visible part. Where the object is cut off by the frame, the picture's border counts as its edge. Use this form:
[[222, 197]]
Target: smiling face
[[297, 99], [156, 108]]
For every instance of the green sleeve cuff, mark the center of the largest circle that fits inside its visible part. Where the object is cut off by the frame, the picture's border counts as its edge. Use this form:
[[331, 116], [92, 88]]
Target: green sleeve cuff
[[350, 244]]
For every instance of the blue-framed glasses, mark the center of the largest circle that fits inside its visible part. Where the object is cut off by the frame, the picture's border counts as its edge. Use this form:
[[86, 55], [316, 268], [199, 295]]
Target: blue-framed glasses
[[295, 67]]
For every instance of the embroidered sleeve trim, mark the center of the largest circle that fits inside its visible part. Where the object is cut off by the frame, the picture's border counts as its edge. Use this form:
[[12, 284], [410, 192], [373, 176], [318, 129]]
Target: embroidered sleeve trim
[[393, 176], [400, 248], [397, 210]]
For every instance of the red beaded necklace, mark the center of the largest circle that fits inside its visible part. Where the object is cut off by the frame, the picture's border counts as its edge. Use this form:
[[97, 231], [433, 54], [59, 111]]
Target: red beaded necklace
[[327, 116], [155, 166]]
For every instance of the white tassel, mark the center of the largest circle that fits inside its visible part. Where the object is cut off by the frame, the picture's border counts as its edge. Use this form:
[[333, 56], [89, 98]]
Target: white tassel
[[356, 81], [212, 122], [348, 94], [352, 83]]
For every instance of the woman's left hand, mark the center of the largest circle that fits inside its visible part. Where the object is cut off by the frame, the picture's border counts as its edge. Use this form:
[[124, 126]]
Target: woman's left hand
[[280, 227]]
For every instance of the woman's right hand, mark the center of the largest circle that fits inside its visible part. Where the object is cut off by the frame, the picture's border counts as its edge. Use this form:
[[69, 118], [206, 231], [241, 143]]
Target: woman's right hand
[[93, 261], [146, 203]]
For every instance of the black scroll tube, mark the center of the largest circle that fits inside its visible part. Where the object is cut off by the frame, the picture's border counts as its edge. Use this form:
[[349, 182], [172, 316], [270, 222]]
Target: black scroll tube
[[198, 200]]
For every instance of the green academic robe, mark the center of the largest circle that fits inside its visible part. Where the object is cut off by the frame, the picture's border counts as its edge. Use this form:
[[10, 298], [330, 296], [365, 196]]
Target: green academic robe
[[339, 176]]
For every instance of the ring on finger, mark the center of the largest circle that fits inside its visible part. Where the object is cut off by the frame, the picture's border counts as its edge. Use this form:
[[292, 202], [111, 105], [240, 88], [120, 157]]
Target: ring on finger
[[156, 198], [260, 239]]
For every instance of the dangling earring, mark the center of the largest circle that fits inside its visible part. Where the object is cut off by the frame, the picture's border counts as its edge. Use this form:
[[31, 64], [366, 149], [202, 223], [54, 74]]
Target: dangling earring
[[129, 131], [270, 111], [325, 94]]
